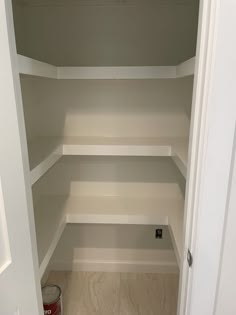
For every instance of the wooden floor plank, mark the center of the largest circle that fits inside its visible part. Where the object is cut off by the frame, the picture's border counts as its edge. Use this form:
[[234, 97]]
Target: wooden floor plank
[[99, 293]]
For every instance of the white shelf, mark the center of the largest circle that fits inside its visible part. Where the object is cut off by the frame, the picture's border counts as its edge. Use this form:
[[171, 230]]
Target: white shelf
[[50, 223], [33, 67], [117, 146], [180, 157], [121, 210], [162, 72], [186, 68], [44, 152], [36, 68], [54, 212], [176, 231]]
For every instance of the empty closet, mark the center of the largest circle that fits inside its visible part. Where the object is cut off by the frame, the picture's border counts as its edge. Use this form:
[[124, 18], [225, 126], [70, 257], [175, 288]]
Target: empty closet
[[107, 92]]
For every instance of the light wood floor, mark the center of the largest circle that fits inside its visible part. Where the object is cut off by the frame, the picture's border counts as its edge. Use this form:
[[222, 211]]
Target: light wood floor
[[97, 293]]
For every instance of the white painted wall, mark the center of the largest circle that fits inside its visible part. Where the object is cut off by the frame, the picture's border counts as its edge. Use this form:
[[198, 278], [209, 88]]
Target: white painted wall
[[19, 25], [118, 108], [109, 32], [114, 248]]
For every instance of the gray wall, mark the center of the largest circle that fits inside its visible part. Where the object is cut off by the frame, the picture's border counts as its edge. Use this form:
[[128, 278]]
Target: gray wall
[[107, 33]]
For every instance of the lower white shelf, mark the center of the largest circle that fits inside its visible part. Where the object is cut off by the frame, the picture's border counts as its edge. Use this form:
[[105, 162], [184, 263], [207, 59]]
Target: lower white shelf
[[50, 224], [176, 231], [54, 212], [44, 152]]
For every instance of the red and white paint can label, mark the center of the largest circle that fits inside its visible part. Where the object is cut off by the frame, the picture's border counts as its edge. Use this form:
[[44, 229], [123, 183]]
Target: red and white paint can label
[[52, 300]]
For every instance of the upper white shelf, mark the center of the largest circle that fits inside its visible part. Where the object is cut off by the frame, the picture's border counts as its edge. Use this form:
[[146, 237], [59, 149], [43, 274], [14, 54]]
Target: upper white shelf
[[43, 155], [44, 152], [33, 67], [117, 146], [186, 68], [180, 156], [36, 68]]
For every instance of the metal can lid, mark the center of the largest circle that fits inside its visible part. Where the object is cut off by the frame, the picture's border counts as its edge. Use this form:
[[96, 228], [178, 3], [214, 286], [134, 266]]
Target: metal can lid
[[51, 294]]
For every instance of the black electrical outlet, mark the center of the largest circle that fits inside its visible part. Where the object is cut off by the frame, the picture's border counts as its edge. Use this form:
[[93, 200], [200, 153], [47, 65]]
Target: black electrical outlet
[[159, 233]]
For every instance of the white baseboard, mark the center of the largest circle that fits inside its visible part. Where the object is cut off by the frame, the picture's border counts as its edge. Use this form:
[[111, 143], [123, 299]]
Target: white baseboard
[[160, 261], [116, 266]]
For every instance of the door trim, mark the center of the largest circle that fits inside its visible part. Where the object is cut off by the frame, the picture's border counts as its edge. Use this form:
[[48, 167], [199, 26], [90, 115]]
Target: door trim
[[202, 147]]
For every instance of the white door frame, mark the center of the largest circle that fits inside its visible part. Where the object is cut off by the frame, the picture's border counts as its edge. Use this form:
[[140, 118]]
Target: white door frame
[[225, 302], [20, 291], [211, 144]]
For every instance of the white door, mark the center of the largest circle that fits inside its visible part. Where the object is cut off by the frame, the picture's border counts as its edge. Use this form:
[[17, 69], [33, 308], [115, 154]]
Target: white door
[[226, 293], [210, 173], [19, 280]]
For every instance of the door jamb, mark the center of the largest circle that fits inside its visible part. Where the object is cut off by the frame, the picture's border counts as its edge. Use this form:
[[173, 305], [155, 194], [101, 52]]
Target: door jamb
[[207, 27]]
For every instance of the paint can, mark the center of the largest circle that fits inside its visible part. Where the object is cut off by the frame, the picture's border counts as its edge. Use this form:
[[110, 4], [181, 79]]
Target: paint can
[[52, 300]]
